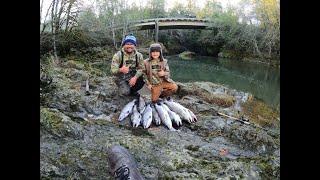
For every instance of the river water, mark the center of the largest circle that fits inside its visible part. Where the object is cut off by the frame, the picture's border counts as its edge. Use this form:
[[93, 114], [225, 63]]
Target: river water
[[259, 79]]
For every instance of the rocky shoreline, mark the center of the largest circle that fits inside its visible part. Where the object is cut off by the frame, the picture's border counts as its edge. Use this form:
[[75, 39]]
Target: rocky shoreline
[[78, 128]]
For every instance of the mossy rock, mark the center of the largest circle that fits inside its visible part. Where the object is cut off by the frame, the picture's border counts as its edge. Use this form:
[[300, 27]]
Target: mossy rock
[[187, 55], [192, 147], [261, 113], [250, 138], [229, 54], [220, 99], [74, 64], [75, 74], [268, 170], [59, 124], [94, 72], [103, 54]]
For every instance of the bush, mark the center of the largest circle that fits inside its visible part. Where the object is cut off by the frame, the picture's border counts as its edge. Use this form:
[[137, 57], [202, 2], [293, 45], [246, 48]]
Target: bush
[[77, 39]]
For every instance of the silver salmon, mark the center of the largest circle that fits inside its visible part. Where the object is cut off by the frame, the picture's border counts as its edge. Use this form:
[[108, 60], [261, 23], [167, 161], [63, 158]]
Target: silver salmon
[[179, 109], [194, 117], [147, 117], [164, 116], [135, 117], [126, 110], [156, 119], [173, 116]]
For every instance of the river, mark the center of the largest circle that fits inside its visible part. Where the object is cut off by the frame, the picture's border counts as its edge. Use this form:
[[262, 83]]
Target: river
[[259, 79]]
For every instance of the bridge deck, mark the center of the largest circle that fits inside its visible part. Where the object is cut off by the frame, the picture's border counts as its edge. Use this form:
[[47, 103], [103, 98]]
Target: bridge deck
[[169, 23]]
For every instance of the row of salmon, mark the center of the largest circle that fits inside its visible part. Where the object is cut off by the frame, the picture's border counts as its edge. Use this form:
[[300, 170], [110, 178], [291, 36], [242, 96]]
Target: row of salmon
[[165, 111]]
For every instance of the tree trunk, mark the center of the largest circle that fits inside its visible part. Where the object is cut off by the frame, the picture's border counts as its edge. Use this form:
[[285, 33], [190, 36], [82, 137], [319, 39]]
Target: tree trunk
[[52, 15], [270, 49], [41, 6], [113, 34], [256, 47], [44, 25], [58, 16], [54, 9], [124, 32], [68, 14]]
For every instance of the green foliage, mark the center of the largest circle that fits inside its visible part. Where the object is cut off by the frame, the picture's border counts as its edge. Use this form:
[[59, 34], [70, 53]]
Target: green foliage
[[77, 39], [250, 34], [180, 11], [156, 8]]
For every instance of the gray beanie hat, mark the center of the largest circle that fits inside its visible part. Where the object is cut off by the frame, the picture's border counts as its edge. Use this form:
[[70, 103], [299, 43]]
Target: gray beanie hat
[[155, 47]]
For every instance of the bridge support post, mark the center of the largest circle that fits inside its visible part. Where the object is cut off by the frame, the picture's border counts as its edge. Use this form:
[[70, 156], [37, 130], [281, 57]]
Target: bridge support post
[[157, 30]]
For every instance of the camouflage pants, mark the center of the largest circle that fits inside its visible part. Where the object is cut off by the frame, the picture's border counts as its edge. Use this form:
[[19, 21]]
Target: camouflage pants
[[124, 87]]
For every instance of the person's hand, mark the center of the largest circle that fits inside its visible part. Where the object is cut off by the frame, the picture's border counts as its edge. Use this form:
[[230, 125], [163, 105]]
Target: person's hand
[[149, 87], [161, 73], [124, 69], [133, 81]]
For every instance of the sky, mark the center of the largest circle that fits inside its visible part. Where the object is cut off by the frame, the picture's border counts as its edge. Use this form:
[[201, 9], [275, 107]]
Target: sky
[[169, 3]]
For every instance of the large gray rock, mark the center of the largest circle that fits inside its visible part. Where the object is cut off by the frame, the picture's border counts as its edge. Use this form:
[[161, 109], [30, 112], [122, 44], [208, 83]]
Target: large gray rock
[[59, 124], [77, 129]]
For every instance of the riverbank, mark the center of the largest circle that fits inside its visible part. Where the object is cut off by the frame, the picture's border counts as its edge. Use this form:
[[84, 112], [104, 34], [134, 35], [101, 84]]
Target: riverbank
[[77, 128], [275, 62]]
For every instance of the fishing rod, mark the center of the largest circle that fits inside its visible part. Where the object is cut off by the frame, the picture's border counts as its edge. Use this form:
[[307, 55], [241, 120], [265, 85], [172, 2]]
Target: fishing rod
[[242, 120], [246, 121]]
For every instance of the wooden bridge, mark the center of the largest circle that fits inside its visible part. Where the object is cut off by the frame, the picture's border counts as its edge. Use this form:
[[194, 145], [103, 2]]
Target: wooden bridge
[[168, 23]]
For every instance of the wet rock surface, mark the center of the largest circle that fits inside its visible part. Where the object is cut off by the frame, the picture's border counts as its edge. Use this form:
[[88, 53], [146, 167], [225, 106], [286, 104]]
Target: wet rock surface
[[77, 129]]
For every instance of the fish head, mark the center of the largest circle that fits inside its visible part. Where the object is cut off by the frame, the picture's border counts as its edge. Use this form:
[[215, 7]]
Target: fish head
[[135, 123], [169, 99]]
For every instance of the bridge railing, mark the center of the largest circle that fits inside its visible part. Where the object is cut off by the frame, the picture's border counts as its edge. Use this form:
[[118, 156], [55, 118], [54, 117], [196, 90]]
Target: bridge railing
[[169, 19], [161, 20]]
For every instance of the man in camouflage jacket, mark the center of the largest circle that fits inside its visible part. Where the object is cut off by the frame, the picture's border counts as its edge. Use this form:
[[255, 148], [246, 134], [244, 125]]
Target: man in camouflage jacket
[[127, 66]]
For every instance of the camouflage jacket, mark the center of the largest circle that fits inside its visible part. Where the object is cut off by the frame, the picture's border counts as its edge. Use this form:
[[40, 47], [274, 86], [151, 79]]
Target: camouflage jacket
[[151, 71], [128, 60]]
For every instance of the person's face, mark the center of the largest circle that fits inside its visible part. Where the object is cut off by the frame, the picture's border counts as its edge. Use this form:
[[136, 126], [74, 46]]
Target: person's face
[[128, 47], [155, 54]]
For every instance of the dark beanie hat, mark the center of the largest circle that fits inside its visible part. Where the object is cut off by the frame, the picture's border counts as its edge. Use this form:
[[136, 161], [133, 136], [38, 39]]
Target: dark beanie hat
[[129, 38]]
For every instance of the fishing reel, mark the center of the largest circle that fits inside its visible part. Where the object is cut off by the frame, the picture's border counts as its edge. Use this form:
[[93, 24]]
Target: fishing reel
[[244, 118]]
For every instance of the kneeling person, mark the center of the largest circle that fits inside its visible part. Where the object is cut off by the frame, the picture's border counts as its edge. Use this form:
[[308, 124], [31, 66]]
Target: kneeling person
[[127, 65], [157, 74]]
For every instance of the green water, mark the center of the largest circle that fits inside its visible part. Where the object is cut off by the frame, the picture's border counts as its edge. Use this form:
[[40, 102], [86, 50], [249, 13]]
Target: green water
[[259, 79]]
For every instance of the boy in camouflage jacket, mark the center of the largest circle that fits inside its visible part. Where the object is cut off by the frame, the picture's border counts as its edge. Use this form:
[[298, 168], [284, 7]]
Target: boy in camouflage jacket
[[157, 74]]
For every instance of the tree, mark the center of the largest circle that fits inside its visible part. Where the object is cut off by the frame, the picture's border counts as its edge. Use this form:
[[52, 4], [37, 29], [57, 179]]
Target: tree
[[53, 25], [71, 3], [44, 23], [156, 8]]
